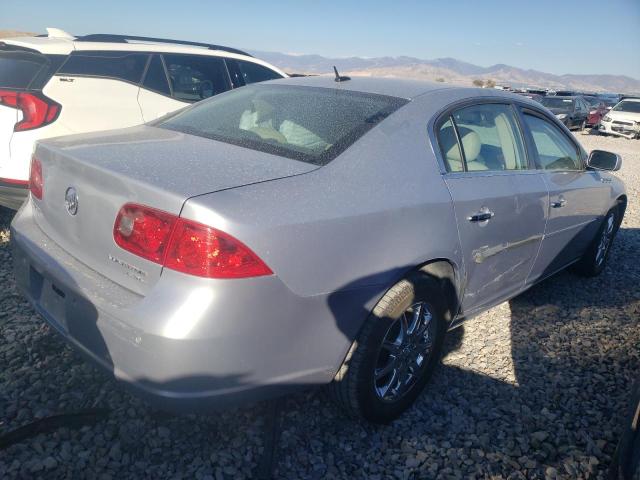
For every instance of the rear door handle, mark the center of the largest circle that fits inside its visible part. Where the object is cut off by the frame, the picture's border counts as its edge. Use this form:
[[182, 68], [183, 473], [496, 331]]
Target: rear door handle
[[561, 202], [481, 216]]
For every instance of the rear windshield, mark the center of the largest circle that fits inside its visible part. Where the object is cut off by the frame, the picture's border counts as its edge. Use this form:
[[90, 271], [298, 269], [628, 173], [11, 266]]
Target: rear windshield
[[24, 69], [310, 124], [593, 101], [559, 103]]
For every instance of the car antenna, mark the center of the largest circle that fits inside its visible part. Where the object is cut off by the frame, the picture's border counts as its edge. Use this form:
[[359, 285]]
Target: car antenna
[[338, 77]]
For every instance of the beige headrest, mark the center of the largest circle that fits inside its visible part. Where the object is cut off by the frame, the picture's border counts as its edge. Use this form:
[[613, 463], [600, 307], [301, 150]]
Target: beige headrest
[[470, 143], [507, 141]]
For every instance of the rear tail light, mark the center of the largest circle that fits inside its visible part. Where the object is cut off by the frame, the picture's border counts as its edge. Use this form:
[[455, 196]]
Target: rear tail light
[[37, 110], [36, 182], [184, 245]]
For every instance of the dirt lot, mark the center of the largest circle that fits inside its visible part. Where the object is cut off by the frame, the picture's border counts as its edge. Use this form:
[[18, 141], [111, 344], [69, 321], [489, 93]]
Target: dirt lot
[[532, 389]]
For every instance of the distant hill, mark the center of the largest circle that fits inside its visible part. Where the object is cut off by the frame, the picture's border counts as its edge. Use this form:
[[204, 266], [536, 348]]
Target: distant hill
[[450, 70], [14, 33]]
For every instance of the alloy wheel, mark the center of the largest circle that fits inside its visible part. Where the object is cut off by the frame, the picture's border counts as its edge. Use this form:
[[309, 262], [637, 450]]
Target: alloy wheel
[[605, 239], [405, 352]]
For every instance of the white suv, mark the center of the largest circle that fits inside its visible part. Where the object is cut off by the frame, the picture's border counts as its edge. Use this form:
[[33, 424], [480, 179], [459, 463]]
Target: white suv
[[623, 119], [59, 84]]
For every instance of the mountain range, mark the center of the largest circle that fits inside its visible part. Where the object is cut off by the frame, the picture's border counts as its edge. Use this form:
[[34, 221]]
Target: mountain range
[[449, 70]]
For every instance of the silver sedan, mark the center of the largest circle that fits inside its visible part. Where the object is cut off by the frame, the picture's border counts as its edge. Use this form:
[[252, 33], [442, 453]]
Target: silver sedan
[[304, 232]]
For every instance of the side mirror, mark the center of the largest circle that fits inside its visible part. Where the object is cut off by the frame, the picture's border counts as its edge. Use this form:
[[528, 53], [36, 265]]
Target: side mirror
[[602, 160]]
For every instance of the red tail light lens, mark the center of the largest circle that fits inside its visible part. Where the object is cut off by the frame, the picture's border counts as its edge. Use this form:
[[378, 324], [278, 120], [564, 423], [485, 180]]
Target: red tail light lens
[[206, 252], [37, 110], [143, 231], [36, 182], [184, 245]]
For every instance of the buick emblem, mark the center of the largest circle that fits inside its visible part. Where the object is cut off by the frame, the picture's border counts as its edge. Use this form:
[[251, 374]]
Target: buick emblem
[[71, 201]]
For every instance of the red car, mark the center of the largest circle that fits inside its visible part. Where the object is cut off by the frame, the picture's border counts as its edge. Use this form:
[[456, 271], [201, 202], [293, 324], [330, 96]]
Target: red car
[[597, 110]]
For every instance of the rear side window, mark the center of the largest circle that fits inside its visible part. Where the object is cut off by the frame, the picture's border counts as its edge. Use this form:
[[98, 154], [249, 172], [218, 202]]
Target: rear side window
[[313, 125], [156, 78], [119, 65], [490, 139], [555, 150], [20, 68], [244, 73], [196, 77]]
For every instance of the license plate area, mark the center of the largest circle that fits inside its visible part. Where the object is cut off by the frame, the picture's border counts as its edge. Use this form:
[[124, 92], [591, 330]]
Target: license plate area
[[52, 300]]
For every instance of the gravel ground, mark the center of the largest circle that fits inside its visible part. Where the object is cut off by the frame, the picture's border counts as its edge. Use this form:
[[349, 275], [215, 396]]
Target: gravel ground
[[534, 388]]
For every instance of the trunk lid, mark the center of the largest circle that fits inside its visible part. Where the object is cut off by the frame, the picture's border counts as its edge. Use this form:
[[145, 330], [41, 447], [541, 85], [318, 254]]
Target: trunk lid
[[146, 165]]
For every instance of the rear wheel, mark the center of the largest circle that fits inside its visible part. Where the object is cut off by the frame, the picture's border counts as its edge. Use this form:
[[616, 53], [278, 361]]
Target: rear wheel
[[595, 258], [394, 355]]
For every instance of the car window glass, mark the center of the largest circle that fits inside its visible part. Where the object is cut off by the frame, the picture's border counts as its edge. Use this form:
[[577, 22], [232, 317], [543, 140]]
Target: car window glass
[[555, 150], [449, 147], [18, 69], [235, 73], [156, 79], [252, 72], [626, 106], [119, 65], [490, 138], [304, 123], [194, 78]]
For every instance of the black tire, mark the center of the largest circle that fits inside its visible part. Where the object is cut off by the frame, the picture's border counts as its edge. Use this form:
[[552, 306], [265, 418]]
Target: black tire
[[354, 387], [593, 261]]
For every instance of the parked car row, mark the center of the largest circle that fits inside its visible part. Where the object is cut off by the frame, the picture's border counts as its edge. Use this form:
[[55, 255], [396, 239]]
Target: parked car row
[[60, 84], [582, 111]]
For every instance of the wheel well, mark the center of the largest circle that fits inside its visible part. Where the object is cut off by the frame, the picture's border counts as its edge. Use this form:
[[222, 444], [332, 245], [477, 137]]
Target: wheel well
[[445, 272]]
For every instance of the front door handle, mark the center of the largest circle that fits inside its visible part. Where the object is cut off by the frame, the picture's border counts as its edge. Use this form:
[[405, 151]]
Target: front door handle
[[561, 202], [481, 216]]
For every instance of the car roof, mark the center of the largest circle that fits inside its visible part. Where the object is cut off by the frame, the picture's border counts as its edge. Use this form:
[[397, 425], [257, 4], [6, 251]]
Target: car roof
[[58, 42], [63, 46], [394, 87]]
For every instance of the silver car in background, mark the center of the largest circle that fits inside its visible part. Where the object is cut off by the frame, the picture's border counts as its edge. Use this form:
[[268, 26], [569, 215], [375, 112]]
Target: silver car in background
[[304, 232]]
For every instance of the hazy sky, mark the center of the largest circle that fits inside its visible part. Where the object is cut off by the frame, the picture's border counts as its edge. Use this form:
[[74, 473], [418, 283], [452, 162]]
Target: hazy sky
[[557, 36]]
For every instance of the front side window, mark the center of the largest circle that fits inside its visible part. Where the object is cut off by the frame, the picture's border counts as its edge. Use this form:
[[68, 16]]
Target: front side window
[[196, 77], [555, 150], [489, 137], [119, 65], [309, 124]]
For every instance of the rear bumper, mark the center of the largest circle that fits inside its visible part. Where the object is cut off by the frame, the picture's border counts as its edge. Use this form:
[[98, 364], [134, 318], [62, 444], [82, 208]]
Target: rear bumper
[[248, 340], [12, 195], [593, 120]]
